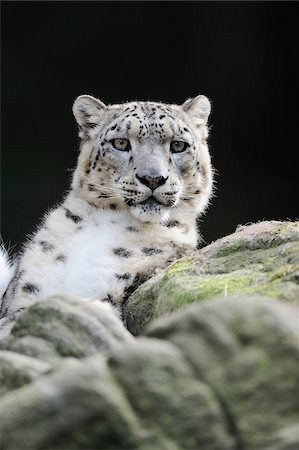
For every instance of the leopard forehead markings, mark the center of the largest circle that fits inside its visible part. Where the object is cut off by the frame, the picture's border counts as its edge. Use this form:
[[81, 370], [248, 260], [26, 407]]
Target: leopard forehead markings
[[153, 122], [153, 125]]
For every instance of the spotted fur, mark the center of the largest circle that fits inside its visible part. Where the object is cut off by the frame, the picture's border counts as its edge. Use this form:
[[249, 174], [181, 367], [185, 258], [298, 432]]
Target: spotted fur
[[143, 177]]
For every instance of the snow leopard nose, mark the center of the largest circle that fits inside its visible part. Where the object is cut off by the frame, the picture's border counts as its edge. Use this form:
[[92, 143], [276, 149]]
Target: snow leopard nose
[[152, 182]]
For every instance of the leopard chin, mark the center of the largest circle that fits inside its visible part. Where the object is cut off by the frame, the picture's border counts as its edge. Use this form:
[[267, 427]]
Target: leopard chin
[[150, 210], [151, 202]]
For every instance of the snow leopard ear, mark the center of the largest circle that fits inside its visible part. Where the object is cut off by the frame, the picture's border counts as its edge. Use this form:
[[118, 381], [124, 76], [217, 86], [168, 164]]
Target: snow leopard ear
[[87, 111], [198, 109]]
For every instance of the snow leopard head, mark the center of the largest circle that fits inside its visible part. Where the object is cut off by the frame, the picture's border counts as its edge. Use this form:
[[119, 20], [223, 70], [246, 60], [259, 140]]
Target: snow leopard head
[[149, 158]]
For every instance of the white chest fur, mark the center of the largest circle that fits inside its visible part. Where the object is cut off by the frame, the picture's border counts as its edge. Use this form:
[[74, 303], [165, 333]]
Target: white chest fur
[[98, 256], [103, 256]]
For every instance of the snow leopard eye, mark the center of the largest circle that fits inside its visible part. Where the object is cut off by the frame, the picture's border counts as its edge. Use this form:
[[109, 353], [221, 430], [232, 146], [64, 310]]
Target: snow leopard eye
[[120, 144], [178, 146]]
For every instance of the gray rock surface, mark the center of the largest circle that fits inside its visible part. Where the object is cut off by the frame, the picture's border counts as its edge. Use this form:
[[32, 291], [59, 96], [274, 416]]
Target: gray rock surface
[[66, 327], [246, 349], [219, 373]]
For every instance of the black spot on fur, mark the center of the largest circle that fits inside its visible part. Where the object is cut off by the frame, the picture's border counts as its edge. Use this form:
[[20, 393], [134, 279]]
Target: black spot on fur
[[91, 187], [46, 246], [124, 276], [90, 125], [103, 196], [72, 216], [132, 229], [149, 251], [122, 252], [61, 258], [113, 206], [172, 223], [30, 288]]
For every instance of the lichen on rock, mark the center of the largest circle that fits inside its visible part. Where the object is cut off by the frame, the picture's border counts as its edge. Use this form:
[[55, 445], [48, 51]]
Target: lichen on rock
[[262, 258]]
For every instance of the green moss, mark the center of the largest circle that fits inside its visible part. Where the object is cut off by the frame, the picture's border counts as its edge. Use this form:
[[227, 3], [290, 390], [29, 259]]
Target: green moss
[[223, 284], [264, 262], [174, 295], [276, 289], [55, 326], [283, 271], [286, 232], [289, 231], [11, 377], [182, 265], [231, 247]]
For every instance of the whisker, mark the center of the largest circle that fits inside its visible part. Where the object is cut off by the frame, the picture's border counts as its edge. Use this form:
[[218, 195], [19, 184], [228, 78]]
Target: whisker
[[108, 190]]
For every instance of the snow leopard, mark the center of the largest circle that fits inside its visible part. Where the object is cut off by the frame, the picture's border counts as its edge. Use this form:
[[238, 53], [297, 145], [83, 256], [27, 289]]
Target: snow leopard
[[142, 179]]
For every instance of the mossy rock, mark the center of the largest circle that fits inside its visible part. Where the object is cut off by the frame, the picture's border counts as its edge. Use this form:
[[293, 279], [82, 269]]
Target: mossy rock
[[16, 370], [75, 407], [262, 258], [247, 351], [219, 375], [66, 327], [178, 410], [145, 397]]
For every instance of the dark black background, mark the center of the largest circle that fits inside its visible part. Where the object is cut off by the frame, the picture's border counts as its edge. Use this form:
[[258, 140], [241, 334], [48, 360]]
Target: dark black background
[[242, 55]]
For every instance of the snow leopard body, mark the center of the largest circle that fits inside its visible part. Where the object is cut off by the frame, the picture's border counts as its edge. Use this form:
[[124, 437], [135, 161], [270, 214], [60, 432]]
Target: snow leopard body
[[143, 177]]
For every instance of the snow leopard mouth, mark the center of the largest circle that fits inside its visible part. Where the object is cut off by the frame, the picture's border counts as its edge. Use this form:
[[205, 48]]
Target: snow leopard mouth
[[151, 202], [149, 210]]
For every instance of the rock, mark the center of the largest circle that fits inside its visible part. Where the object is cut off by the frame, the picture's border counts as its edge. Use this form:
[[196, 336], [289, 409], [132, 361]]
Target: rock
[[64, 327], [217, 375], [216, 369], [262, 259], [246, 350], [176, 409], [79, 406], [17, 370], [86, 405]]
